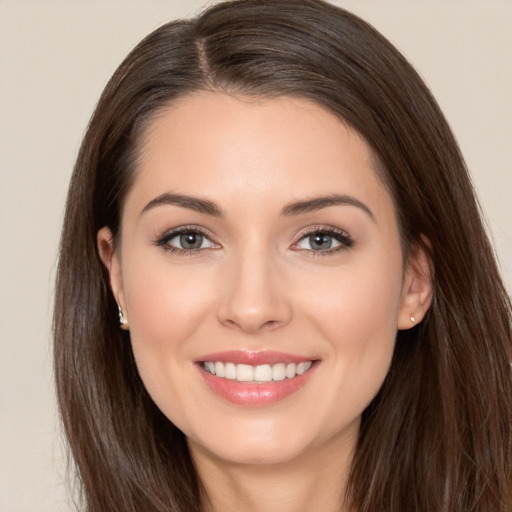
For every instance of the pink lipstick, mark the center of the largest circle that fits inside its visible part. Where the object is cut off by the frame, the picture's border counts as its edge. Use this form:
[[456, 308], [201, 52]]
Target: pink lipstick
[[255, 378]]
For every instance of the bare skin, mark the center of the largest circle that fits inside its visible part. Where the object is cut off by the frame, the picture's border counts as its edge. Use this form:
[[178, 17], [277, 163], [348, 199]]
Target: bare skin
[[258, 227], [315, 483]]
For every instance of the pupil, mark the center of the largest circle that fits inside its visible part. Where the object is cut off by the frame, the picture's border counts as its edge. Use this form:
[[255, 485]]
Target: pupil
[[191, 240], [320, 241]]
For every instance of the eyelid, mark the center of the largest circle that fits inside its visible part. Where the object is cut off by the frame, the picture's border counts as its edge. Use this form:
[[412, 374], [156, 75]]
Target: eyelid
[[162, 240], [340, 235]]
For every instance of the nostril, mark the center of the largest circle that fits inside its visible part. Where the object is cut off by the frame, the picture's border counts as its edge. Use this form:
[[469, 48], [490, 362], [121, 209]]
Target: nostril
[[271, 324], [252, 305], [252, 326]]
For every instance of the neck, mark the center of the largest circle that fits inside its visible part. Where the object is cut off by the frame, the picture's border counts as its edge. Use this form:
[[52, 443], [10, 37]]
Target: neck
[[314, 481]]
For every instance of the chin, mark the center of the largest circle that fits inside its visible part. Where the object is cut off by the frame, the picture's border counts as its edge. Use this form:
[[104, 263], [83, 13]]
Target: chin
[[260, 442], [249, 452]]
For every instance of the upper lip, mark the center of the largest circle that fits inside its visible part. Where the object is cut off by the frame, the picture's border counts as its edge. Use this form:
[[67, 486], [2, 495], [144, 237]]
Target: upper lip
[[253, 358]]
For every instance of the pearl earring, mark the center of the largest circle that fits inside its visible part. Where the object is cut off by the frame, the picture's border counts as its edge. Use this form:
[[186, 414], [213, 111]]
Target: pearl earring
[[413, 320], [123, 322]]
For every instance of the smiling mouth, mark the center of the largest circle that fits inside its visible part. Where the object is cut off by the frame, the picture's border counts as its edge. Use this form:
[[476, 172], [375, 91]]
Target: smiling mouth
[[259, 374]]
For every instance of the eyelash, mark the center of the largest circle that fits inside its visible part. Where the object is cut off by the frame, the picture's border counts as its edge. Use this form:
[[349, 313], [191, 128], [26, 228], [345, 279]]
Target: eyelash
[[163, 241], [345, 240]]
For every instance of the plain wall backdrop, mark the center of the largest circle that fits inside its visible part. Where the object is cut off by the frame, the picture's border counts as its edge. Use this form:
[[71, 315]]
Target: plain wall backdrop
[[55, 58]]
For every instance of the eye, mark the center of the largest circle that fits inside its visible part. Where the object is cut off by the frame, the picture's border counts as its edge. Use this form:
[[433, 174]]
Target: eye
[[186, 240], [324, 240]]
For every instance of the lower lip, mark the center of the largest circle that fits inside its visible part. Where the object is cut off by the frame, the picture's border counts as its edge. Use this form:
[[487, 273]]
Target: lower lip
[[244, 393]]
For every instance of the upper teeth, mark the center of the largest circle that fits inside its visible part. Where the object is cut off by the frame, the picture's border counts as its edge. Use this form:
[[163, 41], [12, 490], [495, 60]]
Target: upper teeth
[[261, 373]]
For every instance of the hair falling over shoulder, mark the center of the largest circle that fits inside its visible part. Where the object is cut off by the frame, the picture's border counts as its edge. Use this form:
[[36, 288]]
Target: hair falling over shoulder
[[438, 436]]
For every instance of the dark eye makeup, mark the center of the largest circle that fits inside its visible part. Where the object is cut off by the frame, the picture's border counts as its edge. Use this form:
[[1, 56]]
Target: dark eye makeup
[[188, 241], [324, 241]]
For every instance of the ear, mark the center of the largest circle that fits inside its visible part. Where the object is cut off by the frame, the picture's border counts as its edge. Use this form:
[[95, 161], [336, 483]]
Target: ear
[[110, 258], [416, 294]]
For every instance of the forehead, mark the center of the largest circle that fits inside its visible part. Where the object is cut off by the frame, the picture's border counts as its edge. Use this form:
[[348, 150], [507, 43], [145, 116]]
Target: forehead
[[279, 149]]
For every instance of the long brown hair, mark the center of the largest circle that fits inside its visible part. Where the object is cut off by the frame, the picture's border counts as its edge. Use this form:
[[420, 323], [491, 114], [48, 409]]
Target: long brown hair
[[438, 436]]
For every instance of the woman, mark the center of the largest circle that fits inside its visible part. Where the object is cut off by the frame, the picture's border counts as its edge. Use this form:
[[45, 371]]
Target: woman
[[274, 288]]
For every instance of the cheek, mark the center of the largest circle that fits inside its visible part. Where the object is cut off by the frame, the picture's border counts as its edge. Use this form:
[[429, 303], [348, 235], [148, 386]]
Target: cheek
[[166, 307], [357, 315], [361, 298], [164, 303]]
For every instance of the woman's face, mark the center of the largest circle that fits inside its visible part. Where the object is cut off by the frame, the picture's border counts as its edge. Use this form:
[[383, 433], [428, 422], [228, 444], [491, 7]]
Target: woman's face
[[259, 244]]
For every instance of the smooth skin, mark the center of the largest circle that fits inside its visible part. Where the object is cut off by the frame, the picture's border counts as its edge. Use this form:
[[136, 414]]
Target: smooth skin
[[252, 272]]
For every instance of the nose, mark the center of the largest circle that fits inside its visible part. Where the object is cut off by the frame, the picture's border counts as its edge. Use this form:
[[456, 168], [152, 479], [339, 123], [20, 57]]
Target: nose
[[255, 297]]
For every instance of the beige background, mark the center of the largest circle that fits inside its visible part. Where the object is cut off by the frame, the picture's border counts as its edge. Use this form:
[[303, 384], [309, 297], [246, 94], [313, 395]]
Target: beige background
[[55, 57]]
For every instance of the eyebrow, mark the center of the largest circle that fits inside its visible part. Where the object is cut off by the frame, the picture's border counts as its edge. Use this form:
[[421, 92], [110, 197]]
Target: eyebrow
[[317, 203], [192, 203], [292, 209]]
